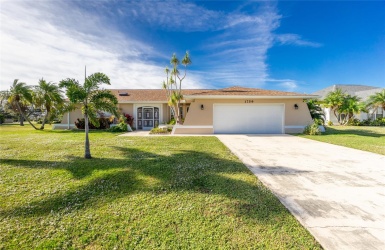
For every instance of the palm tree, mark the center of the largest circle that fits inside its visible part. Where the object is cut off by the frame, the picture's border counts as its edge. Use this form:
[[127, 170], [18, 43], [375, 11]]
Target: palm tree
[[315, 110], [19, 95], [376, 101], [334, 101], [49, 96], [175, 95], [92, 99], [350, 106]]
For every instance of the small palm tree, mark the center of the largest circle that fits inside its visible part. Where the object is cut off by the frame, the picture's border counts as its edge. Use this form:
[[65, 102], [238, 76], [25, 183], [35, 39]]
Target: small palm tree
[[92, 99], [315, 110], [376, 101], [350, 107], [334, 100], [19, 95], [49, 96]]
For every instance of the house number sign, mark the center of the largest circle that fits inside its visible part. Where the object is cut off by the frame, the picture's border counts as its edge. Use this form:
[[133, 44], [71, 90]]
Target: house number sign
[[249, 101]]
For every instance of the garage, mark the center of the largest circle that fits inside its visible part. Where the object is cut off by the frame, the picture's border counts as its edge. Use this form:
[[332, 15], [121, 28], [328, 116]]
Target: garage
[[248, 118]]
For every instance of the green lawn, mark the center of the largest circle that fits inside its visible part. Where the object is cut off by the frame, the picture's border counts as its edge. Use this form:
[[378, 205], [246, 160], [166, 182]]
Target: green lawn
[[370, 139], [136, 192]]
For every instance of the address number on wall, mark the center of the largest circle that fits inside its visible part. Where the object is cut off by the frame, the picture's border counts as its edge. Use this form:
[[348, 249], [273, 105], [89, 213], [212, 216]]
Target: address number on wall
[[249, 101]]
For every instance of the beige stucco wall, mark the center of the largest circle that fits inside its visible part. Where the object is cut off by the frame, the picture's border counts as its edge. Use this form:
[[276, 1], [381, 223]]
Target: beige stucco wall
[[194, 131], [297, 118], [127, 108], [73, 116]]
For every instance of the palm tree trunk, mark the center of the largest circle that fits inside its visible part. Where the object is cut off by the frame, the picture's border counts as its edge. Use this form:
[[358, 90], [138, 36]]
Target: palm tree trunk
[[21, 119], [23, 116], [45, 118], [87, 152]]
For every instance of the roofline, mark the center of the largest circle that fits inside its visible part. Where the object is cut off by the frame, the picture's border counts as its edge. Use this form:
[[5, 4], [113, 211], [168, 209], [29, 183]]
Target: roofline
[[249, 97], [142, 101]]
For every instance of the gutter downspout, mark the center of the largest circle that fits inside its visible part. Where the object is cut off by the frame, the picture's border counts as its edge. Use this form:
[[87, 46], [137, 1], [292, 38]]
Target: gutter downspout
[[68, 120]]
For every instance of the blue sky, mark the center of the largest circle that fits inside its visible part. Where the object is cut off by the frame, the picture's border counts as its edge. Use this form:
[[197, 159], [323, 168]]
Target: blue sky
[[300, 46]]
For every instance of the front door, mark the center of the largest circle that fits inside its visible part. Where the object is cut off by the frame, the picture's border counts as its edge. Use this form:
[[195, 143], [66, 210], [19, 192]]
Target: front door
[[148, 117]]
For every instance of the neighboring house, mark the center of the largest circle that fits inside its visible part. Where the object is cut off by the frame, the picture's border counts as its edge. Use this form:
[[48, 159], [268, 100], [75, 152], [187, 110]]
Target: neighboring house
[[230, 110], [361, 91]]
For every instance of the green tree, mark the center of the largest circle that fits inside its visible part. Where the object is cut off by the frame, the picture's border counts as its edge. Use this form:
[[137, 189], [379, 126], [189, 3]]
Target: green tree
[[334, 100], [173, 84], [350, 106], [315, 110], [48, 95], [20, 95], [91, 99], [376, 101]]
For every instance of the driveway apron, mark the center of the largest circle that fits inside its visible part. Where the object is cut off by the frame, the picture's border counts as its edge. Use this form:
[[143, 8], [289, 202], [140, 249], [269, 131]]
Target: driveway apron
[[337, 193]]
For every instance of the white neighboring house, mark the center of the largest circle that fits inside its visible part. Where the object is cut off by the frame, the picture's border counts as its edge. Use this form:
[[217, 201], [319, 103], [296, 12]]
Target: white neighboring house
[[361, 91]]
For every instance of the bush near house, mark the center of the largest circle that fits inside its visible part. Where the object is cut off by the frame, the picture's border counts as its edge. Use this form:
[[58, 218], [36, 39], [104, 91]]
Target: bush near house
[[129, 119], [368, 122], [312, 129], [104, 123]]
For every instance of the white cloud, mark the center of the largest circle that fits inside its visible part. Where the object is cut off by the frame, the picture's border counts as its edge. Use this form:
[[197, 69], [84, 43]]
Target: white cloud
[[294, 39], [55, 40]]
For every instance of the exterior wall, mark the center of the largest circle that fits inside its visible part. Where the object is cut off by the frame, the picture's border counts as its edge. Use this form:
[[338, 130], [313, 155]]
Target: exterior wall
[[127, 108], [295, 119], [166, 114], [71, 117], [193, 131]]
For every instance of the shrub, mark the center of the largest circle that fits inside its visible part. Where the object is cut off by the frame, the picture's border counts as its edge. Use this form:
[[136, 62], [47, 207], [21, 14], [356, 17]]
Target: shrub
[[378, 122], [129, 119], [330, 123], [121, 127], [104, 123], [312, 129], [2, 118], [318, 121], [354, 122], [172, 122], [160, 131]]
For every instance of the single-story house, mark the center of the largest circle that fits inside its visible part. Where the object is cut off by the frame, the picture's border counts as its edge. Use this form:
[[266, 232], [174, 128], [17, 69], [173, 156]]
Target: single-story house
[[229, 111], [361, 91]]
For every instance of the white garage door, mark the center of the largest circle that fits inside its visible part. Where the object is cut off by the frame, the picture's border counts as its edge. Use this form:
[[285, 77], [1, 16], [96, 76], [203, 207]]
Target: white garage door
[[248, 118]]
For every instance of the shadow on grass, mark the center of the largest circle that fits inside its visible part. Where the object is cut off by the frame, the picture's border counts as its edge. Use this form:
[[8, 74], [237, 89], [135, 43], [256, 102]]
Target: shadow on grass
[[358, 131], [194, 171]]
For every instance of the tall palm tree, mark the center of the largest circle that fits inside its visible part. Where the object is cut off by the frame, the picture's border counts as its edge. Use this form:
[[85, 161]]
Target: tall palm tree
[[49, 96], [19, 95], [175, 95], [334, 101], [91, 99], [377, 101]]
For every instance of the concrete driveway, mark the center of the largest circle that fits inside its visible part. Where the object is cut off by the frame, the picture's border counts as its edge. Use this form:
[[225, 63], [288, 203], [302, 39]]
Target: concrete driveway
[[337, 193]]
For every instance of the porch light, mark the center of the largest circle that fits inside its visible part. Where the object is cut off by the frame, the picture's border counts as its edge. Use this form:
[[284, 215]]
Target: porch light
[[296, 106], [202, 107]]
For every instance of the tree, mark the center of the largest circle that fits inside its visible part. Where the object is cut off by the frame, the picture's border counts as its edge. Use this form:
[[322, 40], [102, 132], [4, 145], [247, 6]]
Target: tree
[[350, 106], [20, 96], [91, 99], [334, 101], [376, 101], [48, 95], [315, 110], [173, 89]]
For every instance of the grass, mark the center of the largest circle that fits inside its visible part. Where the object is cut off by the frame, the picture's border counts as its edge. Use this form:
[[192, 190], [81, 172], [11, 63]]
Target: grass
[[136, 192], [370, 139]]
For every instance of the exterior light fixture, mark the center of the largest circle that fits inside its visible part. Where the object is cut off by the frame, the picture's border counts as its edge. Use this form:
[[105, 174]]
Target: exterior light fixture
[[296, 106], [202, 107]]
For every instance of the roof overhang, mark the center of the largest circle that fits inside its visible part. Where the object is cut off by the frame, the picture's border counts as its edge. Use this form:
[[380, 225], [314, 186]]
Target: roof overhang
[[249, 97], [120, 102]]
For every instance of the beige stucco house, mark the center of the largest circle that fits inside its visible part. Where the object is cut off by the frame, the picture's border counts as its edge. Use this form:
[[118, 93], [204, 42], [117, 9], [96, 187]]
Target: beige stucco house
[[224, 111]]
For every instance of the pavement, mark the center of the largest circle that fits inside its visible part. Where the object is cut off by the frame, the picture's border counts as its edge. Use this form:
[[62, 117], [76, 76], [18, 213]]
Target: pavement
[[337, 193]]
